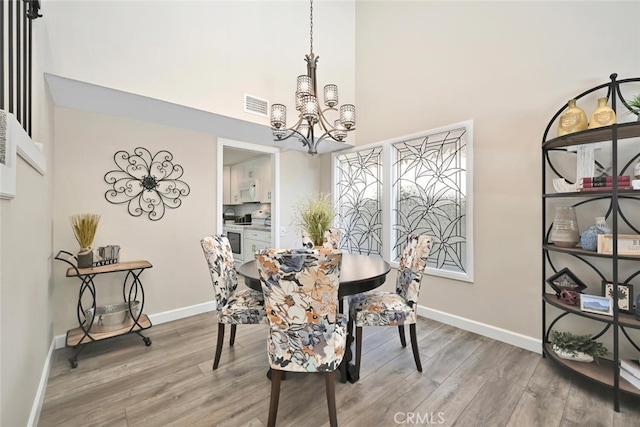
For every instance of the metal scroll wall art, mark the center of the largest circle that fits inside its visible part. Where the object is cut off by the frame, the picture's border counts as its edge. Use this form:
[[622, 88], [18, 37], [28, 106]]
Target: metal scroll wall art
[[149, 185]]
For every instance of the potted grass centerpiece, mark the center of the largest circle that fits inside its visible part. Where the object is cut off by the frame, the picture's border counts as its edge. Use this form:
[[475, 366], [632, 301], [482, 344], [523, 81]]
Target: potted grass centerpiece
[[314, 216], [84, 227], [580, 348]]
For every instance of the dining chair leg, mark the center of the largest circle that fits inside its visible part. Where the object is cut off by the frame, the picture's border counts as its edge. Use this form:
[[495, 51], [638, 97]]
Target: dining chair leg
[[216, 359], [403, 341], [232, 338], [276, 377], [414, 346], [358, 347], [331, 398]]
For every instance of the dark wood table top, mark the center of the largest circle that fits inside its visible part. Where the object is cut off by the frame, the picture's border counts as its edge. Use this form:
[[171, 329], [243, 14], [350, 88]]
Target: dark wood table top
[[358, 273]]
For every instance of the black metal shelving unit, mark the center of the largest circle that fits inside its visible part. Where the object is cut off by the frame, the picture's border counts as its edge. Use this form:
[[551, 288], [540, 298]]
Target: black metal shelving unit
[[608, 267]]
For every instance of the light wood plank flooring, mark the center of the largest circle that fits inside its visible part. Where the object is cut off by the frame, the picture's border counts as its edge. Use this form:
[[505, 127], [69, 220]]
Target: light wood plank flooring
[[467, 380]]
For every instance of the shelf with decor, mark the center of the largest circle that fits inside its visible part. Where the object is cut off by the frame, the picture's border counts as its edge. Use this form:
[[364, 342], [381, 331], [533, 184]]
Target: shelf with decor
[[602, 372], [588, 175], [97, 323]]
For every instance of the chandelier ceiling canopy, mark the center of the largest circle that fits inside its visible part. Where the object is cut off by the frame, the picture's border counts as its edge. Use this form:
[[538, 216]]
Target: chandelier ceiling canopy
[[312, 119]]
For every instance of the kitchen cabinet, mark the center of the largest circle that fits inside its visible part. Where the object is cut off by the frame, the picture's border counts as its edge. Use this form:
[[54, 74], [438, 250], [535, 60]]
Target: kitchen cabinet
[[254, 241], [226, 185], [234, 184], [265, 179]]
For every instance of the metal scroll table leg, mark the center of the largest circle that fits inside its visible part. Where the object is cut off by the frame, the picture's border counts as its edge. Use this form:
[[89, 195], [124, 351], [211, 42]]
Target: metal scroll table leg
[[73, 360]]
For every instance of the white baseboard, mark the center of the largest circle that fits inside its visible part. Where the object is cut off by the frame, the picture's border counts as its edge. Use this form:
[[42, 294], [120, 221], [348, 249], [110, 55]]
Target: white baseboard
[[160, 318], [34, 417], [509, 337], [181, 313]]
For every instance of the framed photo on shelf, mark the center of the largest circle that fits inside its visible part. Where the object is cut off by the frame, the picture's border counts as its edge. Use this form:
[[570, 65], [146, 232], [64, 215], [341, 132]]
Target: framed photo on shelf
[[625, 295], [565, 280], [628, 244], [596, 304]]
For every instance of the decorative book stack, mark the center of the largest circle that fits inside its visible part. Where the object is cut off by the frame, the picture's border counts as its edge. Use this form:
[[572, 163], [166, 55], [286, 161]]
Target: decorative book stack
[[630, 371], [604, 183]]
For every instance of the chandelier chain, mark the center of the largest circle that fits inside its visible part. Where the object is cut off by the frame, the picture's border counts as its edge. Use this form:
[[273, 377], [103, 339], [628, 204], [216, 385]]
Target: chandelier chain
[[311, 29]]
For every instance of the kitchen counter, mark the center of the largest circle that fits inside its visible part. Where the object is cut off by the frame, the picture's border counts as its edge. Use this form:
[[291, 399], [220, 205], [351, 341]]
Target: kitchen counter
[[257, 227], [248, 226]]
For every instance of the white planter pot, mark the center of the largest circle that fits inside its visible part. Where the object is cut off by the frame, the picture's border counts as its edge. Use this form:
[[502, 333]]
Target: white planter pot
[[578, 357]]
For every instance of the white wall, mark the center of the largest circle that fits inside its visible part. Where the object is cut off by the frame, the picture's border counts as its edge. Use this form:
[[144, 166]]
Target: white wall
[[25, 264], [203, 54], [86, 144], [509, 66]]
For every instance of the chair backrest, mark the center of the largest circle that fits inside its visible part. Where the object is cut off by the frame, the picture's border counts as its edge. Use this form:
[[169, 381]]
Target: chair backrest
[[330, 240], [300, 288], [217, 251], [412, 264]]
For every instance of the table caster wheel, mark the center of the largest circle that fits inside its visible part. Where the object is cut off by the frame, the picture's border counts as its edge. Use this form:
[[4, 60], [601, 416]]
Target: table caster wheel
[[147, 341], [73, 363]]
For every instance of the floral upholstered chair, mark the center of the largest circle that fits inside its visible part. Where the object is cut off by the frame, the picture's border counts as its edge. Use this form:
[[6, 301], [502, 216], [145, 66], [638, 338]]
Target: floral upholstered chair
[[399, 308], [330, 241], [233, 306], [306, 332]]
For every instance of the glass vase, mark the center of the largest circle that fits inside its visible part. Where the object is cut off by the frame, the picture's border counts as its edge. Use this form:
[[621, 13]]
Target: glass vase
[[564, 232]]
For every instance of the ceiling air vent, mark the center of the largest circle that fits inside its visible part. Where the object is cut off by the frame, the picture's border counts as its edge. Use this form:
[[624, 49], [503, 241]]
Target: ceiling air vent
[[256, 105]]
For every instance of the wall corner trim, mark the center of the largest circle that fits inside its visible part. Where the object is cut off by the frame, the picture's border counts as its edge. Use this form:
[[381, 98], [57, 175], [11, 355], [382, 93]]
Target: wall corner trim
[[34, 416], [18, 142]]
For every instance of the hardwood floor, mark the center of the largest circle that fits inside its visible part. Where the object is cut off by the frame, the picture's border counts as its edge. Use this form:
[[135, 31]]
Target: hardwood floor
[[467, 380]]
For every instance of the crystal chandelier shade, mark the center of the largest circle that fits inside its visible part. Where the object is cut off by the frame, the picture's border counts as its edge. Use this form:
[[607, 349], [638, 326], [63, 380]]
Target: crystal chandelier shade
[[312, 118]]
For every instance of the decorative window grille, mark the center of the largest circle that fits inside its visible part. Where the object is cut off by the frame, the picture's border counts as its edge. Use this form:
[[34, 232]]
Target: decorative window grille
[[359, 195], [428, 189]]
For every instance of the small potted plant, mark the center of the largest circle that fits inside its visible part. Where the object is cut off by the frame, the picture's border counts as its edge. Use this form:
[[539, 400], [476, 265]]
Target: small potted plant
[[314, 216], [84, 227], [581, 348]]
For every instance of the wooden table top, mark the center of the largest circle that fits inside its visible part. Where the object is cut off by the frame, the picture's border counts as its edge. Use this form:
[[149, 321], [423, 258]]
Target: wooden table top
[[358, 273]]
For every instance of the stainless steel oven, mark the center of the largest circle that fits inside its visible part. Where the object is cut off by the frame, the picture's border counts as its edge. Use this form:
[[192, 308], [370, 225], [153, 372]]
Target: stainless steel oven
[[235, 234]]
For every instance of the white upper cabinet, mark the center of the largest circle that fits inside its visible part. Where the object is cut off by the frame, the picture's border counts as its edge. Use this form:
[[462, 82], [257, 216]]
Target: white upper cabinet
[[256, 170], [265, 179], [234, 183], [226, 185]]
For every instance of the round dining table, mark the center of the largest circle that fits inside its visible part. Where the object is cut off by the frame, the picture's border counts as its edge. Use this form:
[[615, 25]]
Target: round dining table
[[358, 273]]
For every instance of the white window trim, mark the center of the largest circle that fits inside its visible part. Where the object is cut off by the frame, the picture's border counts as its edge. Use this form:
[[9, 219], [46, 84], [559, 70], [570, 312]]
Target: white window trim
[[388, 176]]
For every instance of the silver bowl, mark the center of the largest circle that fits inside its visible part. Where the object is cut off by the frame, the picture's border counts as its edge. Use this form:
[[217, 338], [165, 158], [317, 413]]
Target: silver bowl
[[112, 317]]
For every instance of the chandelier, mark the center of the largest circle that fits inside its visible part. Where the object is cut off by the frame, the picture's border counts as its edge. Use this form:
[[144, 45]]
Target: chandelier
[[309, 112]]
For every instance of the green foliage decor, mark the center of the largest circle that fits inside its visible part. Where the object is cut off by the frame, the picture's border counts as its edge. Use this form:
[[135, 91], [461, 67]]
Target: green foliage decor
[[577, 343], [84, 228], [315, 215], [635, 105]]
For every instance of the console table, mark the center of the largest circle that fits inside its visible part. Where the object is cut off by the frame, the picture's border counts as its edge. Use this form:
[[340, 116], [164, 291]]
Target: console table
[[89, 330]]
